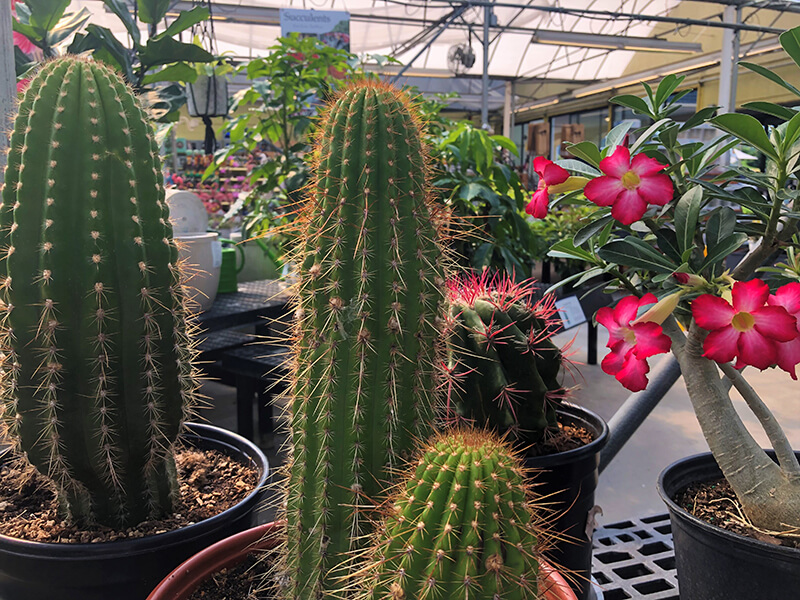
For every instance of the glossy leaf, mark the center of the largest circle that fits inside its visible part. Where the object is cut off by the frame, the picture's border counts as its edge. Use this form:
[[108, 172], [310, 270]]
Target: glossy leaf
[[636, 104], [566, 249], [772, 76], [700, 117], [668, 243], [590, 230], [723, 249], [790, 40], [576, 166], [633, 252], [720, 226], [184, 21], [120, 9], [647, 134], [44, 14], [165, 51], [152, 11], [587, 151], [616, 136], [770, 108], [177, 72], [746, 128], [687, 212], [68, 26]]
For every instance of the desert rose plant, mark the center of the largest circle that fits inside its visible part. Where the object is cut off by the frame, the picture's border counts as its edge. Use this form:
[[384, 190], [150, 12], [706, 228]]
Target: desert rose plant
[[668, 218]]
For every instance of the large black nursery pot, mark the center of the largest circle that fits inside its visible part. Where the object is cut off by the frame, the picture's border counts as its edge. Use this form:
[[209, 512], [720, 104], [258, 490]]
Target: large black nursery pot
[[127, 569], [714, 564], [567, 481]]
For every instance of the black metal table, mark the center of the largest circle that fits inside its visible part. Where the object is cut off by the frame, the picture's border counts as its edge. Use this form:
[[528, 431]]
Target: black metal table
[[255, 300]]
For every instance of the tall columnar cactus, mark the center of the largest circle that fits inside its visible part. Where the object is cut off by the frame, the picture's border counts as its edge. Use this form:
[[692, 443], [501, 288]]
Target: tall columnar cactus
[[367, 328], [97, 357], [503, 367], [462, 527]]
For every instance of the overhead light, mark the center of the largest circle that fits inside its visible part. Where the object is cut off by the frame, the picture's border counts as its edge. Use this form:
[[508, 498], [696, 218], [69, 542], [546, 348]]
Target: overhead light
[[699, 62], [535, 105], [612, 42]]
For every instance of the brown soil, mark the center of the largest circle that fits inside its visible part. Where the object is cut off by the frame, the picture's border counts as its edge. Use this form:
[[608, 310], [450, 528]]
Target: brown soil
[[565, 438], [236, 583], [210, 483], [715, 503]]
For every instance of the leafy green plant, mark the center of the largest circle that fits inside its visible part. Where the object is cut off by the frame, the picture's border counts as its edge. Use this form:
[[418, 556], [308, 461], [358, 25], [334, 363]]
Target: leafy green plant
[[486, 197], [557, 227]]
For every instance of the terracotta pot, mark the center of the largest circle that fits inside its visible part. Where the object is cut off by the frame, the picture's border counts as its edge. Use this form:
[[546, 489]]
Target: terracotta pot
[[180, 584]]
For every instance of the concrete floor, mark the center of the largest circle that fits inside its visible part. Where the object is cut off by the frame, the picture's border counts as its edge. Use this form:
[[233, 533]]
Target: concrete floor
[[627, 488]]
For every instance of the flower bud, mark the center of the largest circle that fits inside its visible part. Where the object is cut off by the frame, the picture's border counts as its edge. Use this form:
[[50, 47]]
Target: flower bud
[[572, 183], [689, 279], [661, 310]]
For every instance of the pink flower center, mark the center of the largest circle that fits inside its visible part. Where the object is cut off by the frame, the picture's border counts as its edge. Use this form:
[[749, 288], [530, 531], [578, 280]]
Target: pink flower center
[[743, 321], [629, 336], [630, 180]]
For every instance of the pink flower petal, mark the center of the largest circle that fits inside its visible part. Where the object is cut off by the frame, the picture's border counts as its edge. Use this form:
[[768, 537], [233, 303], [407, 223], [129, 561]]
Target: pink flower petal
[[539, 163], [538, 204], [644, 166], [787, 296], [721, 345], [656, 189], [650, 340], [775, 323], [789, 356], [711, 312], [629, 207], [604, 190], [632, 374], [553, 174], [749, 295], [756, 350], [612, 362], [617, 164], [626, 309], [616, 332]]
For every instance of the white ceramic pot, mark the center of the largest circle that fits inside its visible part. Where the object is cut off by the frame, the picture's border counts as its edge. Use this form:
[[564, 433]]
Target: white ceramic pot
[[186, 212], [202, 256]]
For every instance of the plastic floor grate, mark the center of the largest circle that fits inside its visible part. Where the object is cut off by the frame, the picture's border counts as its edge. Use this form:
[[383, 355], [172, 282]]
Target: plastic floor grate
[[635, 559]]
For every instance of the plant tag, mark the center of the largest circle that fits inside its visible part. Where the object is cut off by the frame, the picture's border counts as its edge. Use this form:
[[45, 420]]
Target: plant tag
[[570, 312]]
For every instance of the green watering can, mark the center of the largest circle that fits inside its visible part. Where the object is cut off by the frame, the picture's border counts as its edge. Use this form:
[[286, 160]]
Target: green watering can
[[228, 272]]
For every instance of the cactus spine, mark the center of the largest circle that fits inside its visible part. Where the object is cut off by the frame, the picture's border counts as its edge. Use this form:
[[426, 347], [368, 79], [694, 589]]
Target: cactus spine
[[367, 328], [503, 367], [461, 528], [99, 376]]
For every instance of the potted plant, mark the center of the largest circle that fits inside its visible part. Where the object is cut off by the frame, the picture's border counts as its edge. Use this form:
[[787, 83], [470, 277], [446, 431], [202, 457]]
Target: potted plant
[[667, 218], [505, 373], [99, 380]]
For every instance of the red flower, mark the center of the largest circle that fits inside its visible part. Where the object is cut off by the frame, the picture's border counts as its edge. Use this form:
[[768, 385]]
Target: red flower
[[549, 174], [631, 344], [22, 85], [20, 41], [788, 297], [748, 330], [628, 186]]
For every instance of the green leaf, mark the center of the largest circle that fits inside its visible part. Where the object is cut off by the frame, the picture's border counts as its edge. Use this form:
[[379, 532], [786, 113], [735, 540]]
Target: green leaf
[[773, 77], [586, 151], [615, 136], [790, 40], [687, 212], [177, 72], [167, 50], [107, 49], [647, 134], [578, 167], [792, 133], [586, 233], [476, 190], [152, 11], [748, 129], [566, 249], [633, 252], [67, 26], [769, 108], [119, 8], [720, 225], [44, 14], [185, 20], [668, 243], [506, 143], [701, 116], [636, 104], [723, 249], [665, 88], [28, 31]]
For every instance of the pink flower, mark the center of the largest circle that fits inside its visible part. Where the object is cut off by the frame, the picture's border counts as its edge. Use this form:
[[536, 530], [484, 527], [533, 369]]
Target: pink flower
[[20, 41], [788, 297], [22, 85], [749, 329], [549, 174], [631, 344], [628, 186]]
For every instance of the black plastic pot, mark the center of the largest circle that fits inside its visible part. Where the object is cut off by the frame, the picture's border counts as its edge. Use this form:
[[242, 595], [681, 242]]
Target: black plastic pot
[[567, 482], [127, 569], [714, 564]]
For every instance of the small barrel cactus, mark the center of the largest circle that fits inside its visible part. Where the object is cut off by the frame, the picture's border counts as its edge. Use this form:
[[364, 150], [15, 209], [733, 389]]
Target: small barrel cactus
[[462, 527], [367, 328], [503, 369], [97, 356]]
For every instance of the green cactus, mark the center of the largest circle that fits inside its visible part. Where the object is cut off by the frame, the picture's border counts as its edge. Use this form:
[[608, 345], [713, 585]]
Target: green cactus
[[367, 328], [97, 354], [462, 527], [503, 368]]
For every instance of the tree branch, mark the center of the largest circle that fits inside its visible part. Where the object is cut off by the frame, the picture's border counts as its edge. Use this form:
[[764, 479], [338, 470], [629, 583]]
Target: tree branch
[[777, 437]]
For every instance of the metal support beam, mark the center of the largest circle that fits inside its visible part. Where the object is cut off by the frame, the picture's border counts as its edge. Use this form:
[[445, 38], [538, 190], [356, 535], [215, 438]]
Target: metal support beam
[[637, 407], [727, 66], [8, 80], [487, 18], [508, 110], [453, 16]]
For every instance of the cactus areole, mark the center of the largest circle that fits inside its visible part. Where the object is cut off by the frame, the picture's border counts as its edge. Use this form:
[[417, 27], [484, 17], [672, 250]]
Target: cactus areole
[[461, 528], [503, 368], [367, 328], [97, 359]]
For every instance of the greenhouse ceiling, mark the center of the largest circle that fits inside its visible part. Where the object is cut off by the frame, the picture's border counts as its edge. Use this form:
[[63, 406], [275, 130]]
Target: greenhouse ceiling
[[546, 47]]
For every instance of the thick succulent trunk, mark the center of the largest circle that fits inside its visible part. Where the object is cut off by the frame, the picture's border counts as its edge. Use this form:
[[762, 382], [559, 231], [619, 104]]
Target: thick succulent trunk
[[367, 329], [770, 495], [95, 337]]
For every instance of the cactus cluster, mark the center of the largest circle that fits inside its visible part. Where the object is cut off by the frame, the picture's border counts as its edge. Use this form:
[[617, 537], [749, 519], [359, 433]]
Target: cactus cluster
[[503, 368], [97, 355], [366, 329], [462, 527]]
